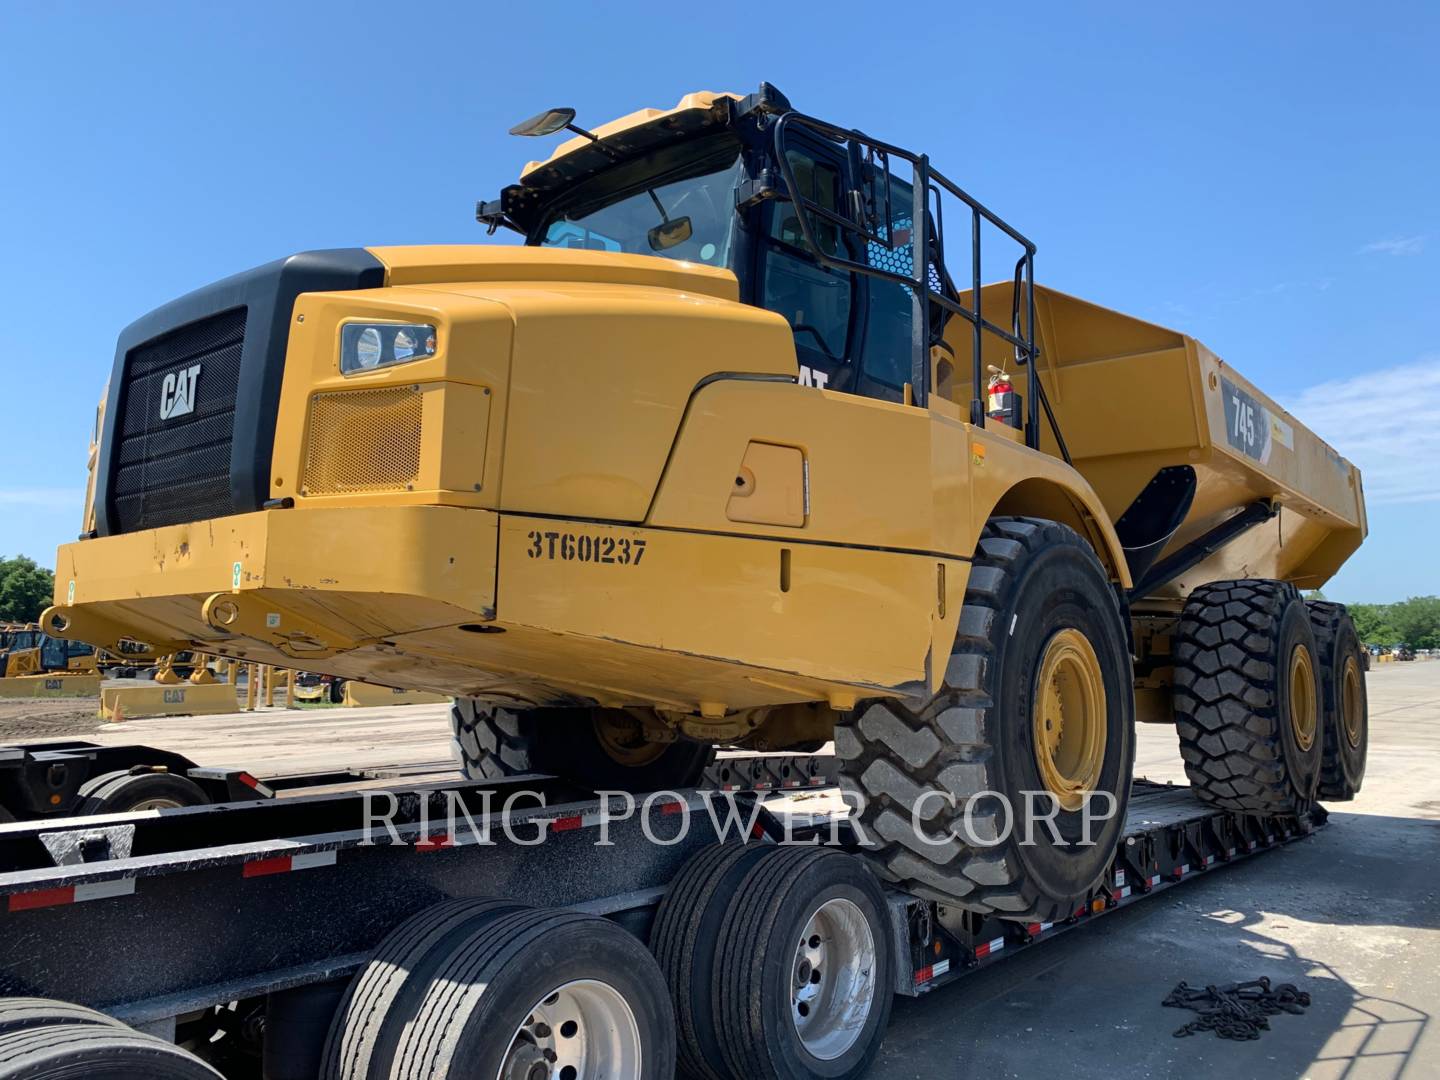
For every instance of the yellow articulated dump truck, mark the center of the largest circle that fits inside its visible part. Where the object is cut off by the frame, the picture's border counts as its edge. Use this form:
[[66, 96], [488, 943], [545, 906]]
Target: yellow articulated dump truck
[[740, 448]]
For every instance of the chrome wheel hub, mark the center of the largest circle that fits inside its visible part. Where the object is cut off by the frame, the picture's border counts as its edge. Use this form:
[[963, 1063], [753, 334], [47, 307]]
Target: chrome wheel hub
[[833, 979], [583, 1030]]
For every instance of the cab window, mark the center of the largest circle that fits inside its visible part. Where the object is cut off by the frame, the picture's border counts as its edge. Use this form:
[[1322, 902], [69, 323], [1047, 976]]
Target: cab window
[[890, 313], [816, 301]]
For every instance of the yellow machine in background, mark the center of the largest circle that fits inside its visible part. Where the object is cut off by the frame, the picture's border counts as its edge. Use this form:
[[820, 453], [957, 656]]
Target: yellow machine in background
[[27, 650], [740, 449]]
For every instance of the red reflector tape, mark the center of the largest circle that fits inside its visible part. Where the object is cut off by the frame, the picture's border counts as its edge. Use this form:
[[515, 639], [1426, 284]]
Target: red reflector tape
[[280, 864], [567, 824], [40, 898], [248, 780], [989, 947], [925, 974], [672, 808], [437, 842]]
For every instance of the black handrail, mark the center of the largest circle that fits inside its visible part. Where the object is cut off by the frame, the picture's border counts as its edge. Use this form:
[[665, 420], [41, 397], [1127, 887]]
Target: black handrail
[[927, 252]]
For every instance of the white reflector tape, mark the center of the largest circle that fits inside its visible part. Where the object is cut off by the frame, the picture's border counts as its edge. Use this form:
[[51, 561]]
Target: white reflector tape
[[99, 890], [312, 858]]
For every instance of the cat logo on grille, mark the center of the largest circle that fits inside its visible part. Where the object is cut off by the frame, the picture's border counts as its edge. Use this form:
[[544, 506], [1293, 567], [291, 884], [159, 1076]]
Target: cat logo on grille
[[177, 392]]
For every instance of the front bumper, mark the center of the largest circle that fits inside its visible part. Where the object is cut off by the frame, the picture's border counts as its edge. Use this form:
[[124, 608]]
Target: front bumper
[[283, 586]]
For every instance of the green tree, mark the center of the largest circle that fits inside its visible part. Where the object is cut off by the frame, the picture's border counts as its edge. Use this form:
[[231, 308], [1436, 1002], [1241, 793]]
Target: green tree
[[1417, 621], [1372, 624], [25, 589]]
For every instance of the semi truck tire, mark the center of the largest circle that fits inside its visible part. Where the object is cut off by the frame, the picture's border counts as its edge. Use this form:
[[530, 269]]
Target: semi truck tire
[[67, 1051], [1248, 698], [593, 747], [537, 993], [19, 1013], [384, 994], [1035, 715], [684, 940], [123, 792], [804, 972], [1346, 725]]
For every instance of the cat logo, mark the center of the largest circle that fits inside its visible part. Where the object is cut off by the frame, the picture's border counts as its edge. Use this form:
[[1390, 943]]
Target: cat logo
[[177, 392]]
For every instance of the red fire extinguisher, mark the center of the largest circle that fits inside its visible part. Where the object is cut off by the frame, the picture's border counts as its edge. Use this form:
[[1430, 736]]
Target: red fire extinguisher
[[1000, 394]]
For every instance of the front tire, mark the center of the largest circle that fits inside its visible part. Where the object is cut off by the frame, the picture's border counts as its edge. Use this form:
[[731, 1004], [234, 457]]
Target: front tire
[[603, 749], [948, 789]]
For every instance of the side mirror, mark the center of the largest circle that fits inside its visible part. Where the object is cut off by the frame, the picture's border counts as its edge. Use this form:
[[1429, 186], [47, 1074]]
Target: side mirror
[[546, 123], [669, 233]]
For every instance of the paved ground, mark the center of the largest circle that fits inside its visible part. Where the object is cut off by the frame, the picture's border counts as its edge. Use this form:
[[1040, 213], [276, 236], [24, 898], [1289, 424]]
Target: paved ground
[[1352, 915]]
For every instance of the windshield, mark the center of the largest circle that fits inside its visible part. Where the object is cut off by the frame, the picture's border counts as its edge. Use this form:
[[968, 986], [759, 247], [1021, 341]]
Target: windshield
[[689, 217]]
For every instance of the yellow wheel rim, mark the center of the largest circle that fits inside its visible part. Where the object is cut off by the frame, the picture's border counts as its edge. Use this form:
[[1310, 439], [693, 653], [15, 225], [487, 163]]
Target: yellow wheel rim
[[622, 737], [1352, 702], [1070, 718], [1303, 705]]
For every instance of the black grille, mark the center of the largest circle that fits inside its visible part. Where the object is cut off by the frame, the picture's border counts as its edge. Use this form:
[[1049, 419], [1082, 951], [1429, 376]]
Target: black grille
[[178, 470]]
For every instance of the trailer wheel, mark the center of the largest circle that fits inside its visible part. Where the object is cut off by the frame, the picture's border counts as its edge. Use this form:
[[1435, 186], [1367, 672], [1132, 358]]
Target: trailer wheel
[[1247, 697], [125, 792], [1346, 725], [18, 1013], [538, 994], [384, 994], [684, 940], [95, 1052], [977, 797], [599, 748], [804, 973]]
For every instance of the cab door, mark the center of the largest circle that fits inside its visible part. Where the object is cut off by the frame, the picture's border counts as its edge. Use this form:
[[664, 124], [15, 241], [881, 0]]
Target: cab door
[[821, 304]]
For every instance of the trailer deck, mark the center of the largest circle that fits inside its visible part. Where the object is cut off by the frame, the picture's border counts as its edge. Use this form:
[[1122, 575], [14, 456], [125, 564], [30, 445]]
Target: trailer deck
[[184, 903]]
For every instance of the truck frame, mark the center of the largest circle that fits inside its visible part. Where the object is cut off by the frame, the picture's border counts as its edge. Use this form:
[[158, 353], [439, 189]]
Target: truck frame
[[183, 903]]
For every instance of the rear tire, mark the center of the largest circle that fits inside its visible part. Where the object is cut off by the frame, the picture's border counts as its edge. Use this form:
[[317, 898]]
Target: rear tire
[[95, 1052], [685, 938], [1036, 595], [385, 994], [20, 1013], [531, 984], [1343, 694], [1247, 697], [494, 743], [804, 973]]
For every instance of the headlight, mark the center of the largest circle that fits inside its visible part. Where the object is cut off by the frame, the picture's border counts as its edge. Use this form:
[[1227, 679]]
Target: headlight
[[366, 346]]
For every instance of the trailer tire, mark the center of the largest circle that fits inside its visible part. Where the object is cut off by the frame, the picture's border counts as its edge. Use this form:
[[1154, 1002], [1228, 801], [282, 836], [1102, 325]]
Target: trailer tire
[[19, 1013], [553, 980], [95, 1052], [684, 939], [784, 1012], [383, 995], [1343, 695], [492, 743], [1247, 697], [940, 785], [124, 792]]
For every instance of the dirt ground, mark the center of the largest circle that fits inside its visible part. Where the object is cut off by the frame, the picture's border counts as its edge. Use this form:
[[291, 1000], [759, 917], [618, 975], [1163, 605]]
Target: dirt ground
[[27, 719]]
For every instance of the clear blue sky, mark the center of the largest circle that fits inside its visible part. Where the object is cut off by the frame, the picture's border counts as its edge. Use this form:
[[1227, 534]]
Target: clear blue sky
[[1263, 175]]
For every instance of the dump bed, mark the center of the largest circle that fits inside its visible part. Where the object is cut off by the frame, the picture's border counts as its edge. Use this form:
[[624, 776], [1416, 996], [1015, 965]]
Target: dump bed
[[1132, 398]]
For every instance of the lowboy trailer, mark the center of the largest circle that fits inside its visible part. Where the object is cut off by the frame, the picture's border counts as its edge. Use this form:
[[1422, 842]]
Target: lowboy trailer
[[282, 939]]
